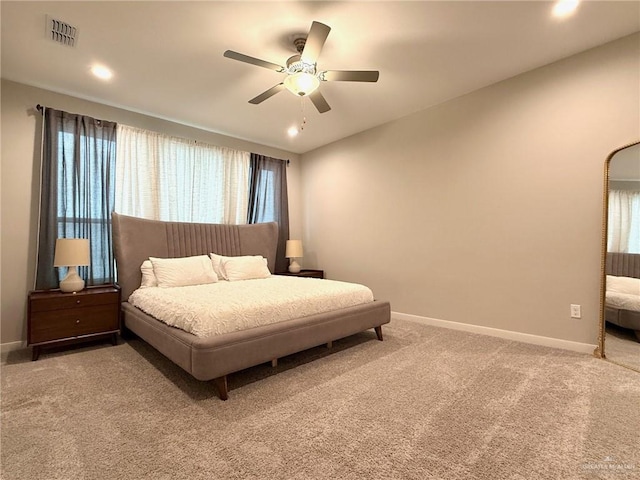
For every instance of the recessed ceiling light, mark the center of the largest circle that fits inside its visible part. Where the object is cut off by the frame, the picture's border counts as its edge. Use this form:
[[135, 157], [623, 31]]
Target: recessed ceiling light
[[564, 8], [293, 131], [101, 72]]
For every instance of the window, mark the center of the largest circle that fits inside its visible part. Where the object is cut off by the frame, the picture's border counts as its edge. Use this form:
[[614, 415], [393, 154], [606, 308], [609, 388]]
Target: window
[[87, 174], [160, 177], [624, 221], [267, 186], [77, 193], [268, 199]]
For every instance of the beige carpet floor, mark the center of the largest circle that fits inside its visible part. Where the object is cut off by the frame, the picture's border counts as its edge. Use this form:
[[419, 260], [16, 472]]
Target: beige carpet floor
[[427, 403]]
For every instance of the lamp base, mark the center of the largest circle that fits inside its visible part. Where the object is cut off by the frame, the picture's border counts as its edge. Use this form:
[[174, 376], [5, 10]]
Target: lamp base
[[72, 282], [294, 267]]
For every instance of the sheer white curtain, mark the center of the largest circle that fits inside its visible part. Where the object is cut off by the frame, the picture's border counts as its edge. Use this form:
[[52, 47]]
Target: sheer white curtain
[[161, 177], [624, 221]]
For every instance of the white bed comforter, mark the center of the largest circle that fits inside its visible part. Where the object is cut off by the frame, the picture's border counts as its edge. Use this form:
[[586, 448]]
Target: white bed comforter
[[623, 292], [223, 307], [625, 301]]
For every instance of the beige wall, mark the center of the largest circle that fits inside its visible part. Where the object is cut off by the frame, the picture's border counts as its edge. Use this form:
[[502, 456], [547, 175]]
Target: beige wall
[[485, 209], [20, 184]]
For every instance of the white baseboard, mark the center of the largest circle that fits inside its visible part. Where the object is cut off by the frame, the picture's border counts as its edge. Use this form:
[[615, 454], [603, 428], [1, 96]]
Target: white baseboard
[[496, 332], [11, 346]]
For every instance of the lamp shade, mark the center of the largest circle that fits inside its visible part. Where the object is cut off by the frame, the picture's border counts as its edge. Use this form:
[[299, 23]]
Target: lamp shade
[[294, 249], [71, 252], [301, 83]]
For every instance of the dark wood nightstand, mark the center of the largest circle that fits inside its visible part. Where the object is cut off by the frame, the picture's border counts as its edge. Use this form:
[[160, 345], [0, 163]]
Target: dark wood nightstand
[[305, 273], [56, 318]]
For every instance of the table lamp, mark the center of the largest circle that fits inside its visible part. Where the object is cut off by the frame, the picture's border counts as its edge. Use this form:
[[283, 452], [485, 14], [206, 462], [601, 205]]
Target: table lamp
[[293, 251], [71, 253]]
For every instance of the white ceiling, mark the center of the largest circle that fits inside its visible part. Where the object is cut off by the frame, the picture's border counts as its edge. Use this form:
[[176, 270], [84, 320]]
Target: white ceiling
[[168, 63]]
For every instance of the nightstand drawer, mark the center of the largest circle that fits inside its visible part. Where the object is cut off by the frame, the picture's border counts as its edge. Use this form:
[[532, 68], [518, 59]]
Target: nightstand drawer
[[68, 301], [56, 324], [57, 318]]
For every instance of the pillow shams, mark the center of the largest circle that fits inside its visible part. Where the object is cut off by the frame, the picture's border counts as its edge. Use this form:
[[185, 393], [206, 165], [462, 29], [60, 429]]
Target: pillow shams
[[628, 285], [245, 267], [180, 272], [218, 267], [148, 277]]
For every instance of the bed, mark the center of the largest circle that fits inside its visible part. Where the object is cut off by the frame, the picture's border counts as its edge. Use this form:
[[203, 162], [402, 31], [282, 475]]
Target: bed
[[622, 298], [135, 240]]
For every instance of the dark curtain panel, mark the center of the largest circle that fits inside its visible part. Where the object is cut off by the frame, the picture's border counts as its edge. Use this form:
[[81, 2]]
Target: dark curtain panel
[[77, 193], [268, 201]]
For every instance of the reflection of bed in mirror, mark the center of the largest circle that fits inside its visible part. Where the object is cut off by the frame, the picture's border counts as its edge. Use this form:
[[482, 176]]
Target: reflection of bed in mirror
[[620, 292], [622, 299]]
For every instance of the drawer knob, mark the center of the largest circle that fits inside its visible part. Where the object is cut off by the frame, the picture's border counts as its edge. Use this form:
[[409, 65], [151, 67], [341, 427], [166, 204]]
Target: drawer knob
[[78, 321], [78, 302]]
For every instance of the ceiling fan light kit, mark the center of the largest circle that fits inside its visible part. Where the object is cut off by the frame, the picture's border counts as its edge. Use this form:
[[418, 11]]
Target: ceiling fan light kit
[[301, 83], [302, 78]]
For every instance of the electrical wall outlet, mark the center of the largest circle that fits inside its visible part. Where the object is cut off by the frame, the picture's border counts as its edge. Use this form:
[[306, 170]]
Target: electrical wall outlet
[[576, 311]]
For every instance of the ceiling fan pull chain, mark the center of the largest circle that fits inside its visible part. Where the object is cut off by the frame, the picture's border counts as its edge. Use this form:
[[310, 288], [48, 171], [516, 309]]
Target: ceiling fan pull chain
[[304, 118]]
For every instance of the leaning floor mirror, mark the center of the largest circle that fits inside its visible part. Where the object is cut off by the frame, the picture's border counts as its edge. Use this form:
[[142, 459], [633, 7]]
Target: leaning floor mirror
[[619, 339]]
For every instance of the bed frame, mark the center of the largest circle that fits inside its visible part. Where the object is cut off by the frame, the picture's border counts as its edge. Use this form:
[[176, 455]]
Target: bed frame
[[213, 358]]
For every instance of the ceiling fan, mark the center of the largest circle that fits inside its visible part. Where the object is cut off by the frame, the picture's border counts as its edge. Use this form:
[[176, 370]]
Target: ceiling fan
[[303, 77]]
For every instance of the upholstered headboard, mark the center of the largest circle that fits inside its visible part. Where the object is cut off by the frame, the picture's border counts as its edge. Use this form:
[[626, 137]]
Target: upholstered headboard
[[623, 264], [136, 239]]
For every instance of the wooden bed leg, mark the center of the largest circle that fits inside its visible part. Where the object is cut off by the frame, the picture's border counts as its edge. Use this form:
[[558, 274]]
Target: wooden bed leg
[[378, 332], [329, 344], [221, 385], [274, 362]]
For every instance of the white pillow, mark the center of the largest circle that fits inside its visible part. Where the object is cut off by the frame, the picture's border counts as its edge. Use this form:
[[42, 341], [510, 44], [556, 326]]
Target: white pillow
[[180, 272], [148, 277], [245, 268], [628, 285], [218, 267]]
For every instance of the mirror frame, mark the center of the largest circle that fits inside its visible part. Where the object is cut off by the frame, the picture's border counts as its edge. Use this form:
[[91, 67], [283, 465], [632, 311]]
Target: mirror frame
[[600, 350]]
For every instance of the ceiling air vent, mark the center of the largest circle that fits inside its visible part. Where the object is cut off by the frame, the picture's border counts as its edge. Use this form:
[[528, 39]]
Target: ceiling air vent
[[61, 32]]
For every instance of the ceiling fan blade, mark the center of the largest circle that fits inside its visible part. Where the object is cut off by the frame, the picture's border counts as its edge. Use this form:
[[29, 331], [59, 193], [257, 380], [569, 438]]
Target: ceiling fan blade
[[269, 93], [320, 103], [315, 41], [350, 75], [253, 61]]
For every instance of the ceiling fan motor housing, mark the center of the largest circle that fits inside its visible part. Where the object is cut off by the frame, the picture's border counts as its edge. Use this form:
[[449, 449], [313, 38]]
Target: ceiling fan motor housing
[[296, 65], [299, 43]]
